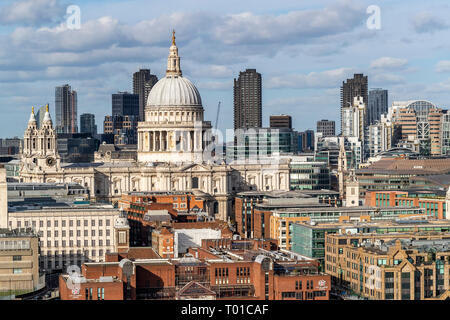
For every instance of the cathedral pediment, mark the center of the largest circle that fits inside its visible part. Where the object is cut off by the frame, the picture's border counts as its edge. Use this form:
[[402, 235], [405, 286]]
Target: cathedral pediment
[[195, 167]]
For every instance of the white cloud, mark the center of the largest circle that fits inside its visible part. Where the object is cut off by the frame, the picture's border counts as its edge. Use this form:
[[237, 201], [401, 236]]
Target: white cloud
[[250, 29], [32, 12], [443, 66], [388, 63], [324, 79], [426, 22], [384, 79]]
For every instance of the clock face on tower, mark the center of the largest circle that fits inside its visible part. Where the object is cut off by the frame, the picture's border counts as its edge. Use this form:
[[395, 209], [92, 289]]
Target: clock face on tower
[[50, 161]]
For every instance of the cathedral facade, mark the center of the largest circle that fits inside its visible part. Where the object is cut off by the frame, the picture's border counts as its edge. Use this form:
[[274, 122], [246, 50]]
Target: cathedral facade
[[173, 153]]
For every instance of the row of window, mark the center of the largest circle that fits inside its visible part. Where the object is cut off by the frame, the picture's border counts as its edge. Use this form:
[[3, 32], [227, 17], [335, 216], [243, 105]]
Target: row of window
[[72, 243], [63, 223], [78, 233]]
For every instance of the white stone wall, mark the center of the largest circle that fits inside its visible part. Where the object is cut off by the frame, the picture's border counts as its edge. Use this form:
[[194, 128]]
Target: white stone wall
[[186, 238]]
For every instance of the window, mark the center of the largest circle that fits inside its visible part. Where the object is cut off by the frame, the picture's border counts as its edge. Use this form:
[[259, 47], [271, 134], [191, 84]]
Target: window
[[17, 258], [17, 270]]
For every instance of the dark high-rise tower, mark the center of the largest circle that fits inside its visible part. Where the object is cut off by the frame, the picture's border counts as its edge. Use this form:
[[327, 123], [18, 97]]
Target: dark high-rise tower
[[143, 82], [357, 86], [87, 124], [248, 100], [66, 106], [378, 104], [125, 104]]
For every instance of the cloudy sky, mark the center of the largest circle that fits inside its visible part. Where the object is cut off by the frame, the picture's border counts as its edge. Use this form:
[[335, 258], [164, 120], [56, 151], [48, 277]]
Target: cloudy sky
[[303, 49]]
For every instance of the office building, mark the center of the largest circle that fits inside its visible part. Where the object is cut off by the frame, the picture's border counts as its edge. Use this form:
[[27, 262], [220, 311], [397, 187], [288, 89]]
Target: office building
[[432, 201], [445, 133], [307, 174], [269, 214], [379, 136], [354, 87], [397, 174], [87, 124], [248, 100], [10, 146], [306, 141], [377, 105], [19, 256], [123, 128], [418, 123], [392, 266], [76, 147], [125, 104], [257, 143], [353, 119], [308, 239], [40, 114], [282, 219], [69, 233], [281, 121], [143, 82], [326, 127], [66, 106]]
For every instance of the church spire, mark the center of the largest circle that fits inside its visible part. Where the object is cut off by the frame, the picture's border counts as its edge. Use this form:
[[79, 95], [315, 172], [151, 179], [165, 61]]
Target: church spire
[[32, 117], [173, 61], [47, 117]]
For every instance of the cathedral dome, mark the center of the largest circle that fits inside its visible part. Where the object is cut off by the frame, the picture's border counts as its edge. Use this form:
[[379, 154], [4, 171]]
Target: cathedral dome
[[174, 91]]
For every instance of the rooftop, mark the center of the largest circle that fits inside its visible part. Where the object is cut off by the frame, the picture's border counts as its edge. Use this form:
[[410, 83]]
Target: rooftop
[[405, 222]]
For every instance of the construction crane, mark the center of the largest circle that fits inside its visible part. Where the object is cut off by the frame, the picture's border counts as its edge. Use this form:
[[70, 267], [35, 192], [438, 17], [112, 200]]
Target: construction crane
[[217, 116]]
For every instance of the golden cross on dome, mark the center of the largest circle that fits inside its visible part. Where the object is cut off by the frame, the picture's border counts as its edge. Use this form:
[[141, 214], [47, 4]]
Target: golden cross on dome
[[46, 108], [32, 109], [173, 37]]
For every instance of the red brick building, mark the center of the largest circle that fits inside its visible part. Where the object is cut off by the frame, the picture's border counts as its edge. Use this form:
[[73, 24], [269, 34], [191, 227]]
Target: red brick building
[[432, 201], [148, 210], [220, 269]]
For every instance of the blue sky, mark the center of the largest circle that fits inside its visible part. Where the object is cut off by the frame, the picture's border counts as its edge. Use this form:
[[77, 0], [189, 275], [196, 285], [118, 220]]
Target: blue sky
[[303, 49]]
